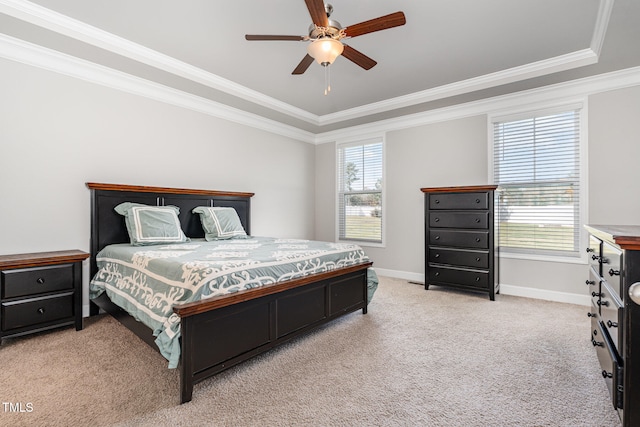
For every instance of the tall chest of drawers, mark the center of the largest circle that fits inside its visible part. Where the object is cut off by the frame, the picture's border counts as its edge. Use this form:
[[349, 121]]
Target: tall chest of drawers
[[614, 287], [460, 238]]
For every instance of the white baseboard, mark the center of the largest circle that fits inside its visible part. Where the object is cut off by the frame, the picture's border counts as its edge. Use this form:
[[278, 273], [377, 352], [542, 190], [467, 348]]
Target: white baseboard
[[396, 274], [505, 289]]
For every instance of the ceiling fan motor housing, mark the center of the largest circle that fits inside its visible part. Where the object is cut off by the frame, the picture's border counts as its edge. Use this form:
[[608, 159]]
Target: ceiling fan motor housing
[[332, 30]]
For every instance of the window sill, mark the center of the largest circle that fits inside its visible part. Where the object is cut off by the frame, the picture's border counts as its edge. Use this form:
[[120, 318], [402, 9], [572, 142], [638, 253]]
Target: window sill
[[545, 258], [363, 243]]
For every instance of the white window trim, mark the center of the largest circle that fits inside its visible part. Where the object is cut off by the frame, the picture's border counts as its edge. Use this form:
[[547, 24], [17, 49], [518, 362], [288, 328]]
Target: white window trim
[[529, 110], [361, 140]]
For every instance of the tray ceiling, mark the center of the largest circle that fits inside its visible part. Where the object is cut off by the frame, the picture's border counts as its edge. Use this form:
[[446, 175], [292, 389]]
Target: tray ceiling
[[448, 52]]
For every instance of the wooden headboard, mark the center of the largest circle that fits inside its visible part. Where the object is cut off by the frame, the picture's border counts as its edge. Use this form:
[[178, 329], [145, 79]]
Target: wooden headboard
[[108, 227]]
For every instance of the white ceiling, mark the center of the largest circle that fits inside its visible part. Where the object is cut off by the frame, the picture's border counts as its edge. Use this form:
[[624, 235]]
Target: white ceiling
[[448, 52]]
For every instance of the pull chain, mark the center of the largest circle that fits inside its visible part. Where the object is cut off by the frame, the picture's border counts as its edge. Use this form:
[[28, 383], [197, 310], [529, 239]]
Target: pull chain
[[327, 80]]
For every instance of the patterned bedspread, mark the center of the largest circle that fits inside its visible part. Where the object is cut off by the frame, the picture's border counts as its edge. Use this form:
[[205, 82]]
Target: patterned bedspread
[[147, 281]]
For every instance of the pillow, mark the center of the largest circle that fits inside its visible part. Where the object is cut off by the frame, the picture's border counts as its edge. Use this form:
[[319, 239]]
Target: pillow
[[151, 225], [220, 223]]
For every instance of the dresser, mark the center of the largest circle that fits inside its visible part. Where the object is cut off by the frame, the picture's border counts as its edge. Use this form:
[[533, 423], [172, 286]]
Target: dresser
[[614, 287], [40, 291], [460, 237]]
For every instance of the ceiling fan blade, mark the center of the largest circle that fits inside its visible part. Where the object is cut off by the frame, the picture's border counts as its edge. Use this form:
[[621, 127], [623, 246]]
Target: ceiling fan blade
[[263, 37], [303, 65], [382, 23], [317, 12], [358, 57]]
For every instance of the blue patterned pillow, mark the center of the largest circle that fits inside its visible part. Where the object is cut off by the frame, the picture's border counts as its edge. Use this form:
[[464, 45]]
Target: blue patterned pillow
[[220, 223], [151, 225]]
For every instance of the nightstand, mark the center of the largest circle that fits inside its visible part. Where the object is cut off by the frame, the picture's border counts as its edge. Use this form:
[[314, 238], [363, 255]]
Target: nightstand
[[40, 291]]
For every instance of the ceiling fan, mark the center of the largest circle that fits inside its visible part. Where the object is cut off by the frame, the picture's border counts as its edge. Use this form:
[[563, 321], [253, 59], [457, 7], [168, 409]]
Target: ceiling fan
[[326, 34]]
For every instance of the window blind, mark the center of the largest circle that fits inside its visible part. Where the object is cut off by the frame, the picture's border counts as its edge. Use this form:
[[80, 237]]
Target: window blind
[[537, 166], [360, 182]]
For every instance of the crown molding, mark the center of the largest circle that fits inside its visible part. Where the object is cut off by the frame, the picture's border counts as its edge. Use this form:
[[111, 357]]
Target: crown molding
[[497, 105], [535, 69], [54, 21], [65, 25], [38, 56], [48, 59], [602, 22]]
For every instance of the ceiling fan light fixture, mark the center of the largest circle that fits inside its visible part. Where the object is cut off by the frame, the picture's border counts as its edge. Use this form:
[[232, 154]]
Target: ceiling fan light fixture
[[325, 50]]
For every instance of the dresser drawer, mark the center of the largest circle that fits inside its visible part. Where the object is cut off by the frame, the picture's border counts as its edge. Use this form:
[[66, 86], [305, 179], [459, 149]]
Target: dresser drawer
[[36, 280], [611, 315], [460, 239], [594, 287], [611, 267], [473, 259], [479, 220], [611, 369], [471, 278], [594, 250], [459, 201], [33, 311]]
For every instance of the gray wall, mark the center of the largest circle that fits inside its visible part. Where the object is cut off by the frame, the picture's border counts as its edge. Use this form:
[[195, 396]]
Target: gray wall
[[57, 133], [455, 152]]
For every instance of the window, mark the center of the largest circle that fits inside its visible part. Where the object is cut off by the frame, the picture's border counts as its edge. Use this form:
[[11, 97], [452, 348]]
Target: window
[[536, 163], [360, 200]]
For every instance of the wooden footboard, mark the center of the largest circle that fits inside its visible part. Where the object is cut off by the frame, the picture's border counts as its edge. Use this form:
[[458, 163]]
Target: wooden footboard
[[228, 330]]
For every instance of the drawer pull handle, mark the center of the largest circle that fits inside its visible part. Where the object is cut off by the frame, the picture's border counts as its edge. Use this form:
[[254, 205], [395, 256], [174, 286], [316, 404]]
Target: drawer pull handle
[[592, 315], [40, 280], [590, 282], [590, 250], [437, 202], [477, 200], [612, 324], [606, 374], [477, 220], [594, 257], [41, 310], [437, 273], [437, 237], [477, 240], [596, 294], [597, 343], [478, 259], [437, 220], [477, 279], [613, 272], [437, 255], [605, 303]]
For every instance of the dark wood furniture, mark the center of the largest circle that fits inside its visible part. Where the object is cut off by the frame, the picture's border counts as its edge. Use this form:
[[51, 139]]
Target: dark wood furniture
[[614, 286], [220, 332], [40, 291], [460, 238]]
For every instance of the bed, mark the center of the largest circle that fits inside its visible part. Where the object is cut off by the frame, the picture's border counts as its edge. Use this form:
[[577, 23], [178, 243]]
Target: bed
[[220, 329]]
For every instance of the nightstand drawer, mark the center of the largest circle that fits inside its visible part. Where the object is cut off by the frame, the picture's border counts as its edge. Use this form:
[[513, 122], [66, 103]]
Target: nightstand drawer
[[478, 220], [32, 281], [32, 311], [459, 201]]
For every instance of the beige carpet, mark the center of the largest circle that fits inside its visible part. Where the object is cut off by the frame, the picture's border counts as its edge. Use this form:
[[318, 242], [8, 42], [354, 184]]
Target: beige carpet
[[419, 358]]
